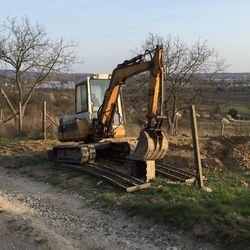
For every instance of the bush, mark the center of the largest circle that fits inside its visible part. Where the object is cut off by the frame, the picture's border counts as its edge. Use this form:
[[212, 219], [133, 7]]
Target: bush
[[233, 112]]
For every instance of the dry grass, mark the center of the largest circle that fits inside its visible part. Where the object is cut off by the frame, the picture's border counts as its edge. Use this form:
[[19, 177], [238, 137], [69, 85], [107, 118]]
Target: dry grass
[[32, 127], [61, 102], [207, 127]]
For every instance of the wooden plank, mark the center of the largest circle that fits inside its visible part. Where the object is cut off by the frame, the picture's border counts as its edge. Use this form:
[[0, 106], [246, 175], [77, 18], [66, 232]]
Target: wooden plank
[[190, 181], [138, 187], [197, 157]]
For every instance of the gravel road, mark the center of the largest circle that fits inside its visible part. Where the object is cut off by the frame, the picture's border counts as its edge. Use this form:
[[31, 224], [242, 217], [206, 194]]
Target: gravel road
[[35, 215]]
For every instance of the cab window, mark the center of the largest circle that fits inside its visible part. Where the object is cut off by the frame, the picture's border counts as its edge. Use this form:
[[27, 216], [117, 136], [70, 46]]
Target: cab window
[[81, 98], [98, 88]]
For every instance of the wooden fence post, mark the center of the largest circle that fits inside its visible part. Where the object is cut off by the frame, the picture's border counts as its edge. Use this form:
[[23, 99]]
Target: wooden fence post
[[20, 120], [222, 128], [1, 114], [44, 125], [197, 157]]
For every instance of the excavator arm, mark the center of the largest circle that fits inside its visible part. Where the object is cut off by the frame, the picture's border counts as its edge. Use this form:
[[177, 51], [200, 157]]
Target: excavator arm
[[151, 143], [119, 76]]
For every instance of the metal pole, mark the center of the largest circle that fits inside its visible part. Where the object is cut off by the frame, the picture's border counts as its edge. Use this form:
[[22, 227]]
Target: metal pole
[[197, 157]]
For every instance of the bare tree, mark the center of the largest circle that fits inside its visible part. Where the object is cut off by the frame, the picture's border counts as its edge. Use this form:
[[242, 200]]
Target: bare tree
[[26, 49], [184, 65]]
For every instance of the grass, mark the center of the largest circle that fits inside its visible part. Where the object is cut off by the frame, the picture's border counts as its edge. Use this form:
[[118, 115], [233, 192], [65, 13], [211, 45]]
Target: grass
[[222, 215], [21, 162], [6, 141], [9, 140], [225, 211]]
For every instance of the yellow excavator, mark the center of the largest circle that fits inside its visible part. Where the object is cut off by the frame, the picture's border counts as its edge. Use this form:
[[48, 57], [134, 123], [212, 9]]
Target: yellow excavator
[[98, 122]]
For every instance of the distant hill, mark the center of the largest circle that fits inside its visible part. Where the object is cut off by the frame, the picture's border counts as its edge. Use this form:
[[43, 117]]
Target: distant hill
[[54, 80], [68, 80], [63, 77], [80, 76]]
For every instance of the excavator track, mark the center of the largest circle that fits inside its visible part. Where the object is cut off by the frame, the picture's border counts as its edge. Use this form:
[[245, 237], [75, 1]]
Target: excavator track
[[73, 153], [124, 181], [168, 171], [173, 173]]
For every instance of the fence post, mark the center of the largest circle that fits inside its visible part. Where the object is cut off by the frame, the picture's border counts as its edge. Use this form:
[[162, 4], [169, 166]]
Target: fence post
[[197, 157], [222, 128], [44, 125], [20, 120], [1, 114]]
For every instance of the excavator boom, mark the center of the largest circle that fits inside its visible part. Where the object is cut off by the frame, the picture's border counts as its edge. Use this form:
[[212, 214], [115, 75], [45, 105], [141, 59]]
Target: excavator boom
[[130, 68], [152, 143]]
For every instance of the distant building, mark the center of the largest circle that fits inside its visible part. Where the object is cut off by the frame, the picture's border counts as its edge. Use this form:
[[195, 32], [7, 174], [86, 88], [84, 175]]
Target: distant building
[[57, 85]]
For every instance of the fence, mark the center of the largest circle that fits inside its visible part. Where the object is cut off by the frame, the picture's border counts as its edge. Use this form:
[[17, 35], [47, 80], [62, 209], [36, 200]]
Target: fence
[[45, 121]]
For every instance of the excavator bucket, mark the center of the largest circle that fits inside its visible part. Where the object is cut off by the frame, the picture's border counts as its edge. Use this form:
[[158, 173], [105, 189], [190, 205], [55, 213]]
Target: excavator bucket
[[151, 145]]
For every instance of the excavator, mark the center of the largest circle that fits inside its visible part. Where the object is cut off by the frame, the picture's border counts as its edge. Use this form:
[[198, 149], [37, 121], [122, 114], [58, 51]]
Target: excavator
[[98, 123]]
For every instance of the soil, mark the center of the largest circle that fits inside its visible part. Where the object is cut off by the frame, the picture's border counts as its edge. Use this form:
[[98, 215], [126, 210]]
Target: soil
[[29, 147], [217, 153]]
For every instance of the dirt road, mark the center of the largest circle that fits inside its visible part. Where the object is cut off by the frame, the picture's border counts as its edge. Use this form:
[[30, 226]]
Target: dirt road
[[35, 215]]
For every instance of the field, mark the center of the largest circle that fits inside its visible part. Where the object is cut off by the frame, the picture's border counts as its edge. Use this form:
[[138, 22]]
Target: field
[[169, 215]]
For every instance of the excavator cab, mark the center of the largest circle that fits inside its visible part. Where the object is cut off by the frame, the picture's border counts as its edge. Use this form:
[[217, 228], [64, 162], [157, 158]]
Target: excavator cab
[[89, 96]]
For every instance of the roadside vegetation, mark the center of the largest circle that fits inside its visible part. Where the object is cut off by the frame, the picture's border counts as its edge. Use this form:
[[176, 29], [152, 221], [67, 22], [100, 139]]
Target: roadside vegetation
[[8, 140]]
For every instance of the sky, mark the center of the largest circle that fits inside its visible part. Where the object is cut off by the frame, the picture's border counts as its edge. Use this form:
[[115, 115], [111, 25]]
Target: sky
[[106, 31]]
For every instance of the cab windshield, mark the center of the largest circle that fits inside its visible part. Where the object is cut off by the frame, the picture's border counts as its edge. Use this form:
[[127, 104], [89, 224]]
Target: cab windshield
[[98, 88]]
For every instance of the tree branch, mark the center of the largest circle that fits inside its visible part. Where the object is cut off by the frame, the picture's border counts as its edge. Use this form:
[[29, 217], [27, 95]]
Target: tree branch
[[8, 119], [7, 100]]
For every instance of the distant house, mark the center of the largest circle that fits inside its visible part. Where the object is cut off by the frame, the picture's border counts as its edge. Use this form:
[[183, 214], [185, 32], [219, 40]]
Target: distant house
[[57, 85], [50, 85], [6, 81]]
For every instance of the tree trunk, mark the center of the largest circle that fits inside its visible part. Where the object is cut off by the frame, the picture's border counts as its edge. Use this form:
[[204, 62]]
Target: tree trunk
[[20, 120], [170, 125]]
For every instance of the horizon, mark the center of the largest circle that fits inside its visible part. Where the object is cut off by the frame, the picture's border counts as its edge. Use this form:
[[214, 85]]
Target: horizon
[[86, 73], [107, 31]]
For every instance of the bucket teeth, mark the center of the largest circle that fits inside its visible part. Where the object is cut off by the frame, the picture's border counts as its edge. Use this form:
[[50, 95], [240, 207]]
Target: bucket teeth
[[151, 145]]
